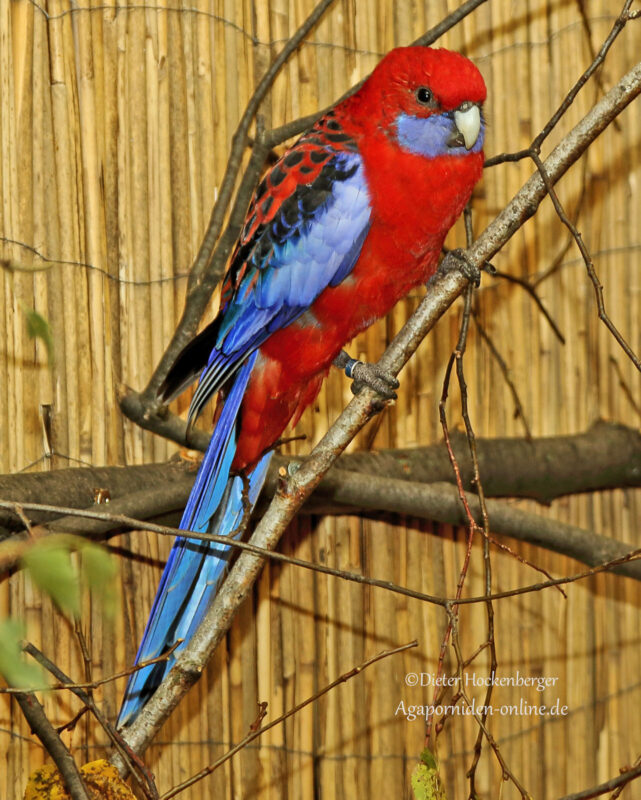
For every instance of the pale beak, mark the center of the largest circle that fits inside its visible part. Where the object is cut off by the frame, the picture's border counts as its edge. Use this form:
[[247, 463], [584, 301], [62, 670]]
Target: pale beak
[[467, 119]]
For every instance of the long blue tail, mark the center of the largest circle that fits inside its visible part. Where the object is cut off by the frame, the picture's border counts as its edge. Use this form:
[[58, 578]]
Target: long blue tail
[[195, 568]]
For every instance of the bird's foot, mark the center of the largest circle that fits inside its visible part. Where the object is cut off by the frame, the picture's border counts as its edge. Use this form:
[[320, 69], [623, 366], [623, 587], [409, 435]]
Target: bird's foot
[[371, 375], [459, 261]]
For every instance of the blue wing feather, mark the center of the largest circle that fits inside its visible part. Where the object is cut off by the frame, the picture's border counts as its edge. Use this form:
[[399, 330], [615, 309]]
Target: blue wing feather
[[195, 568], [290, 264], [312, 242]]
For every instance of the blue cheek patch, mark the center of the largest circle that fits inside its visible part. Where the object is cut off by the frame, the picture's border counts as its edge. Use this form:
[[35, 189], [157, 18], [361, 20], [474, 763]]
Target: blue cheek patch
[[428, 136]]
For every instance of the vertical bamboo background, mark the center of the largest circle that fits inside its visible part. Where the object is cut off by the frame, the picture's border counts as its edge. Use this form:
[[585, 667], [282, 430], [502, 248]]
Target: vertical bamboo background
[[115, 123]]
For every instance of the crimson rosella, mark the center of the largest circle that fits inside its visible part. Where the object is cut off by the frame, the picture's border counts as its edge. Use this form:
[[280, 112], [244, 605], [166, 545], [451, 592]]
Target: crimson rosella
[[348, 220]]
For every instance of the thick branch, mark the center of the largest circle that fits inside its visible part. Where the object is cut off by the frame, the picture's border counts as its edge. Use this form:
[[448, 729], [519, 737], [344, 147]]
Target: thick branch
[[142, 491], [414, 482], [440, 502], [344, 491], [443, 290], [161, 421], [606, 456]]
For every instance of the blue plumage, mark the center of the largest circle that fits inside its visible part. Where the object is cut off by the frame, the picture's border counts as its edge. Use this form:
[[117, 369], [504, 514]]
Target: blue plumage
[[195, 568], [312, 240], [431, 136], [305, 254]]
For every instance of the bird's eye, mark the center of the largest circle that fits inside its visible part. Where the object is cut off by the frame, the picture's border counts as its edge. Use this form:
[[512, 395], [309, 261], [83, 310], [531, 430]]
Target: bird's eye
[[424, 96]]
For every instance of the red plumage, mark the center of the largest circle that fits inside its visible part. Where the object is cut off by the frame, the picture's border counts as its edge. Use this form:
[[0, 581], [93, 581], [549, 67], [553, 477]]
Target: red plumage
[[415, 201]]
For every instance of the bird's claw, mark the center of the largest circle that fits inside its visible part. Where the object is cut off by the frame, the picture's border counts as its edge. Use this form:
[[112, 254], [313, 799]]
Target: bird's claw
[[458, 260], [371, 375], [375, 377]]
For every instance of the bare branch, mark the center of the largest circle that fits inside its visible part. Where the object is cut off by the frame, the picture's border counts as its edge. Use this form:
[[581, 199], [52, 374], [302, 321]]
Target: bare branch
[[519, 411], [67, 684], [603, 457], [142, 776], [531, 290], [35, 715], [409, 482], [589, 265], [623, 779]]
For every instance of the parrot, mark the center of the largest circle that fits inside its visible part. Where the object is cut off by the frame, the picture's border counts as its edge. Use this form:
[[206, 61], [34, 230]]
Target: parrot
[[350, 218]]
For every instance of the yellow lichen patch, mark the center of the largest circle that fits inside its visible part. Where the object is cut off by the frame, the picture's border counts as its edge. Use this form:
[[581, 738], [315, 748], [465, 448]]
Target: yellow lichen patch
[[101, 779]]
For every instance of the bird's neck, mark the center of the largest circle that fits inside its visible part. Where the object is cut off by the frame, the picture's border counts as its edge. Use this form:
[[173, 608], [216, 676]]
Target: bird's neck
[[423, 196]]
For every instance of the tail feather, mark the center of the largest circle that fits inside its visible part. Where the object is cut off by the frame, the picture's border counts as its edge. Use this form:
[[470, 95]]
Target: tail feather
[[196, 568]]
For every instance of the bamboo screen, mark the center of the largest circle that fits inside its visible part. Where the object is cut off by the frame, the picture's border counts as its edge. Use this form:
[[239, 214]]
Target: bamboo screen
[[115, 125]]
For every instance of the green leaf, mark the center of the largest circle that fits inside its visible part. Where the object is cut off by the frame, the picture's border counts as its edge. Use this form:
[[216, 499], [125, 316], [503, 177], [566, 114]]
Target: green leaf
[[49, 564], [99, 572], [39, 328], [16, 670], [426, 781]]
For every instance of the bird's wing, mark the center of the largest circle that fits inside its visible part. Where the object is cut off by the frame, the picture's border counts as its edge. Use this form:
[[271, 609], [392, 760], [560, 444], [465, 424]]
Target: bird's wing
[[304, 232]]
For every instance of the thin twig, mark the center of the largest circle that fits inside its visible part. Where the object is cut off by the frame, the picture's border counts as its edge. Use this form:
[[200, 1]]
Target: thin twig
[[247, 546], [624, 17], [558, 259], [633, 555], [531, 290], [624, 386], [596, 791], [587, 258], [68, 685], [258, 731], [587, 27], [519, 411], [534, 151], [470, 521], [617, 792], [570, 97], [523, 560], [86, 659], [481, 721]]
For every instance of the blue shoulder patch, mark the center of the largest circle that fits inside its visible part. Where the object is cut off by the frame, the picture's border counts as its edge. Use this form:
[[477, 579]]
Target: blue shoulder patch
[[292, 260]]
